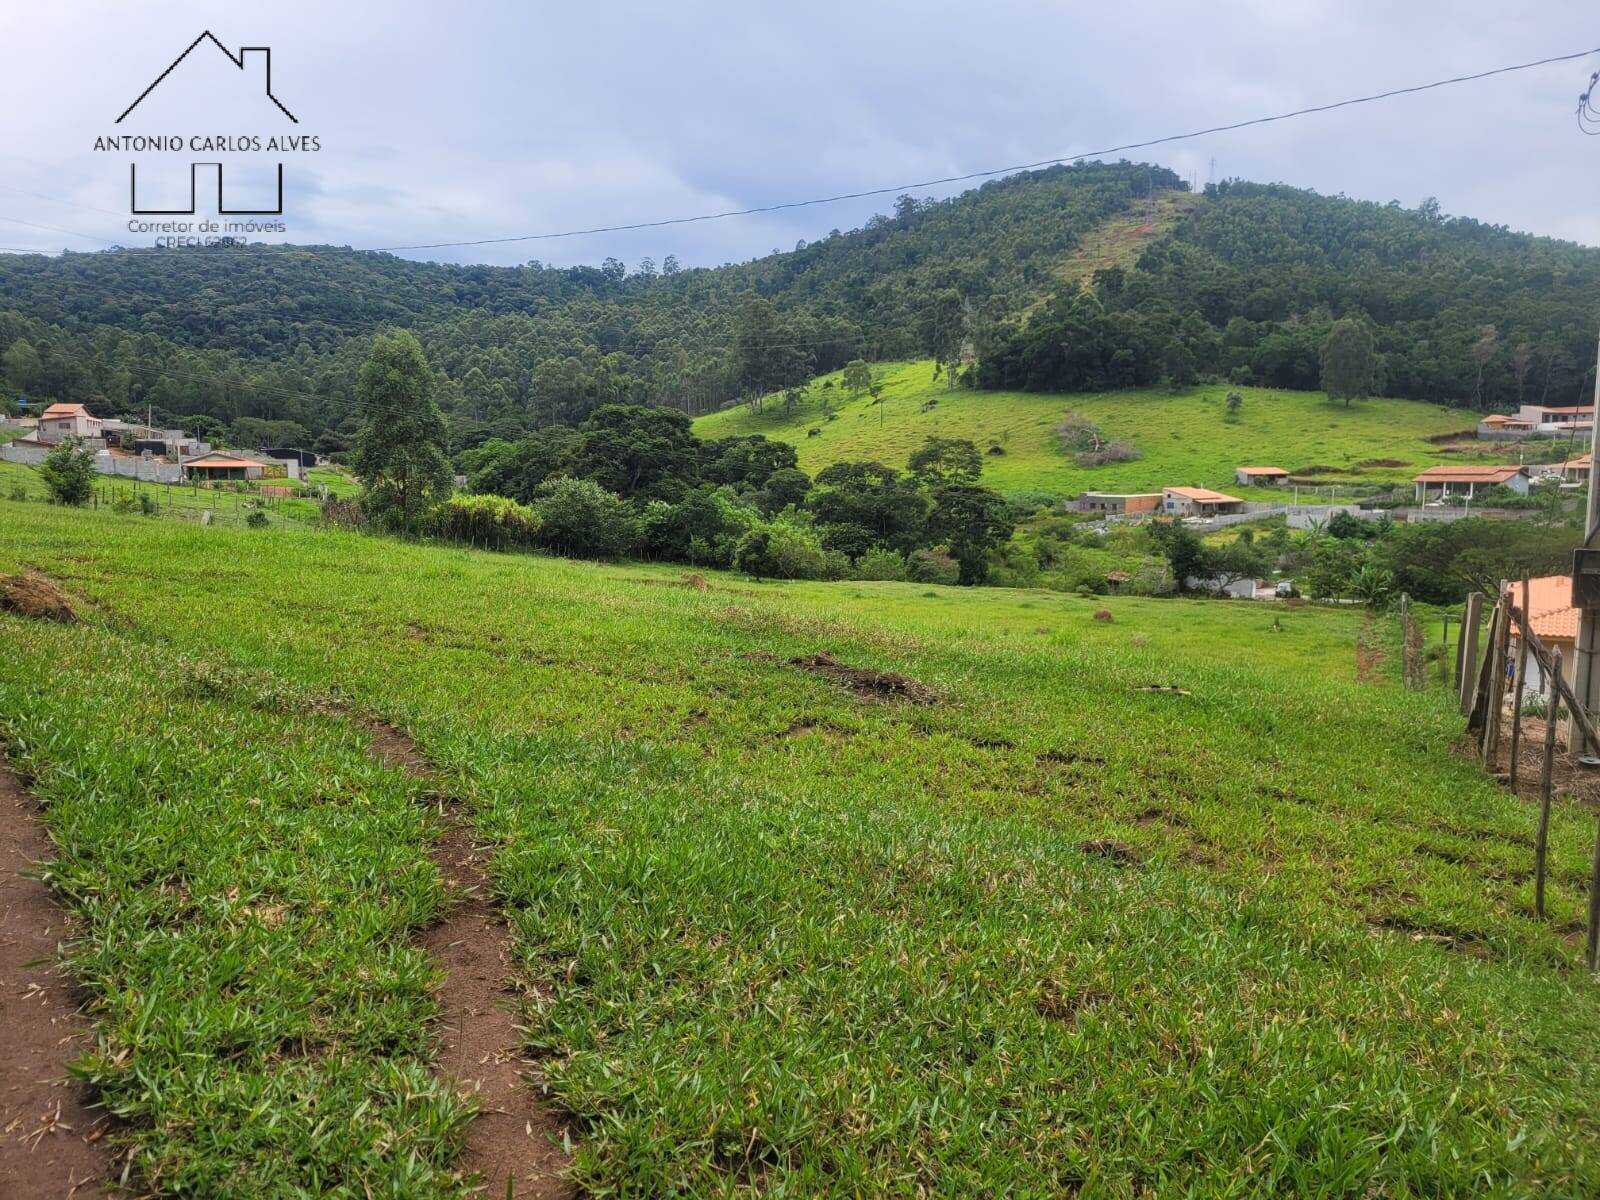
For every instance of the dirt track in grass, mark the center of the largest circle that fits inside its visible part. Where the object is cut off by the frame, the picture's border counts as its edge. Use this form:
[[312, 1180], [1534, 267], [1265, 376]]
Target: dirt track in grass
[[52, 1143], [513, 1136]]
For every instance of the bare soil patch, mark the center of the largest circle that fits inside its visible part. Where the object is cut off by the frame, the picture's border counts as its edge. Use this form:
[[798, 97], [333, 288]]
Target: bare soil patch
[[52, 1140], [514, 1143], [1567, 778], [865, 681], [35, 595], [1120, 853], [1370, 654]]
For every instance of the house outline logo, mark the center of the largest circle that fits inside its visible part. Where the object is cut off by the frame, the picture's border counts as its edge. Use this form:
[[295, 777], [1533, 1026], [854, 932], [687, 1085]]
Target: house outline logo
[[237, 60], [240, 60]]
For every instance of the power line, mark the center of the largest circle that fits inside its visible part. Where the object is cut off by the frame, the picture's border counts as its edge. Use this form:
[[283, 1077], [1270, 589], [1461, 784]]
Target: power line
[[1046, 162], [970, 175]]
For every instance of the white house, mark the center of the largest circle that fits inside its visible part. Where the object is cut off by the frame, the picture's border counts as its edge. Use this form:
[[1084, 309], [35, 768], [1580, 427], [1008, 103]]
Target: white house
[[1441, 483]]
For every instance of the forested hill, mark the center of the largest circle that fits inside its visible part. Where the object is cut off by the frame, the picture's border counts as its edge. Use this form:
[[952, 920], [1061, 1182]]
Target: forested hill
[[1247, 287], [1244, 285]]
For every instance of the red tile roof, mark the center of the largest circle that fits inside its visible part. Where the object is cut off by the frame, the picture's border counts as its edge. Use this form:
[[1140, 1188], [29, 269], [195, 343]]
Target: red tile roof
[[65, 410], [1448, 474], [1550, 613], [1205, 495], [1263, 470]]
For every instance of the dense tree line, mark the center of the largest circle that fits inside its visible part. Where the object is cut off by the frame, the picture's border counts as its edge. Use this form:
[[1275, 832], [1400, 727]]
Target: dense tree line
[[266, 343], [1250, 286], [279, 333]]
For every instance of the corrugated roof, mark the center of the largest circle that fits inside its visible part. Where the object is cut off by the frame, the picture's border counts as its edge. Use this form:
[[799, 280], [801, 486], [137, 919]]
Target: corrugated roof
[[1263, 470], [1449, 474], [1204, 494], [1550, 611]]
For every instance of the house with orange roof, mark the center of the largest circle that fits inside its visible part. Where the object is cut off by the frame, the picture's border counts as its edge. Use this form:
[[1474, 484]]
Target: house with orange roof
[[1554, 622], [61, 421], [1261, 476], [1439, 484], [1198, 502]]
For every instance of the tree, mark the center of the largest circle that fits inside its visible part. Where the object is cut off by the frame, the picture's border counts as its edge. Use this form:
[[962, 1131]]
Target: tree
[[1235, 403], [22, 364], [766, 355], [1347, 361], [580, 518], [68, 472], [942, 461], [1483, 352], [944, 331], [399, 449], [857, 377], [1184, 551], [875, 497], [972, 521]]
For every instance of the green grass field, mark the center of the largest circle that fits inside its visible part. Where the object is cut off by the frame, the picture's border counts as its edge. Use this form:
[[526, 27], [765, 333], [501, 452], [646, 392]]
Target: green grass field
[[776, 937], [1184, 440], [225, 505]]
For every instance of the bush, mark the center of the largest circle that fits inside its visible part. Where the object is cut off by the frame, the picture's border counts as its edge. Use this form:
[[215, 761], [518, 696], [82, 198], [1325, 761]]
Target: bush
[[933, 566], [19, 492], [580, 518], [784, 549], [882, 563], [68, 472], [703, 528], [494, 522], [257, 519]]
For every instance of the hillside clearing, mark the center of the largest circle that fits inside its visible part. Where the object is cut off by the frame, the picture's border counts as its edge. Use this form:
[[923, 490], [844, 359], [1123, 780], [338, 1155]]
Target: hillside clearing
[[1187, 439], [774, 936]]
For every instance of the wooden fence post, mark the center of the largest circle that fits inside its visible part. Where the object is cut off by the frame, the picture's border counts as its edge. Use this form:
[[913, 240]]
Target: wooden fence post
[[1520, 684], [1594, 907], [1541, 843], [1499, 649], [1468, 659]]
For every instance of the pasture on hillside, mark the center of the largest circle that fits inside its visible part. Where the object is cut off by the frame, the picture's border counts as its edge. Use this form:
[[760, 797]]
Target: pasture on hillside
[[1177, 902], [1187, 439]]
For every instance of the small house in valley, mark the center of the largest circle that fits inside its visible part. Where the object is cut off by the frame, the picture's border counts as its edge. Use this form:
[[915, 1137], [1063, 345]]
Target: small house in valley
[[1198, 502], [1261, 476], [1438, 484], [221, 466]]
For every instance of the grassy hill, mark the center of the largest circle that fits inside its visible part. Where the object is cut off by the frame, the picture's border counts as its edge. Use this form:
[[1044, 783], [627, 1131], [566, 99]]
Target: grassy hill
[[1185, 439], [776, 935]]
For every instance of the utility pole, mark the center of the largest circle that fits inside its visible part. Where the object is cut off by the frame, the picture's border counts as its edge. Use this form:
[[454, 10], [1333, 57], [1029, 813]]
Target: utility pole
[[1586, 680]]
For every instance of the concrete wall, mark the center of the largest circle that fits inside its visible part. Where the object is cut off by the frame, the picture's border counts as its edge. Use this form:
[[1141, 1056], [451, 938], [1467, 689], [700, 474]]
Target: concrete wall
[[150, 470], [30, 456]]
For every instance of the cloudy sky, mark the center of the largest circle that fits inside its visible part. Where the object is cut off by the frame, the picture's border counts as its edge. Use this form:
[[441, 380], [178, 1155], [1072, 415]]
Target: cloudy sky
[[478, 119]]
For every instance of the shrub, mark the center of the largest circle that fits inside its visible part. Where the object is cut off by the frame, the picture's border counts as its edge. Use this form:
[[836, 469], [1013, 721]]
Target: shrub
[[880, 562], [580, 518], [68, 472], [933, 566], [147, 505], [257, 519], [783, 549], [494, 522], [19, 492]]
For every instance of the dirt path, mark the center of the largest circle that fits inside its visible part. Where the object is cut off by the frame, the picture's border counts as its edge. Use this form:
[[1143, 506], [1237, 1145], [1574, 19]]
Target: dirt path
[[1370, 653], [51, 1141], [513, 1135]]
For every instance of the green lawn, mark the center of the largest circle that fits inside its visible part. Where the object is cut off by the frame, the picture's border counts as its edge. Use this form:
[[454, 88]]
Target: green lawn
[[1184, 440], [225, 505], [779, 938]]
